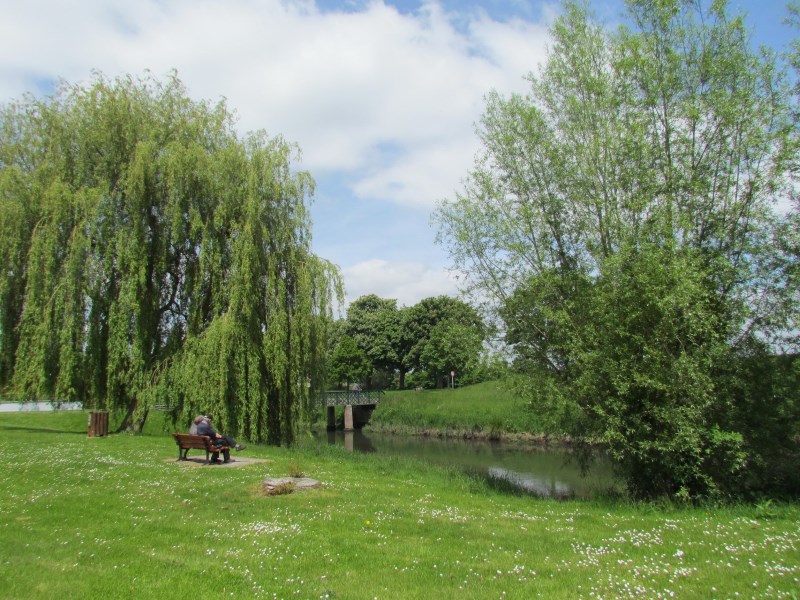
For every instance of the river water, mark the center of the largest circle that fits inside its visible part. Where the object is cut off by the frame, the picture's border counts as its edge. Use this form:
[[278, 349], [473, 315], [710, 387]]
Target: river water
[[542, 471]]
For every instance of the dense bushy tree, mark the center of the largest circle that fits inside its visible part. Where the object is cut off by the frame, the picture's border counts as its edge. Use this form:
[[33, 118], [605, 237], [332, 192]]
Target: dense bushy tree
[[151, 254], [435, 336], [444, 334], [621, 219], [452, 347], [378, 327], [348, 363]]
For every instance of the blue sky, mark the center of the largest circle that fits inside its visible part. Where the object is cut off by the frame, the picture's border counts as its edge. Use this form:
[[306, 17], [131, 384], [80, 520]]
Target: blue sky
[[381, 96]]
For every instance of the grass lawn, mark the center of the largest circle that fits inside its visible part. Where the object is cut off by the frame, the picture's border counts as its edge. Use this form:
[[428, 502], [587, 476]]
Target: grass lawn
[[118, 517], [486, 408]]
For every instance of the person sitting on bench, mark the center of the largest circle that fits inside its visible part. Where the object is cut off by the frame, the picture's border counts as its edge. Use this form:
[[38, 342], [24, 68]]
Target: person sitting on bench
[[204, 428], [197, 420]]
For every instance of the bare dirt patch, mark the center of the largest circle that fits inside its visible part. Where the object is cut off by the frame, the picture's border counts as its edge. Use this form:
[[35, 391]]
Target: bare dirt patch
[[200, 461]]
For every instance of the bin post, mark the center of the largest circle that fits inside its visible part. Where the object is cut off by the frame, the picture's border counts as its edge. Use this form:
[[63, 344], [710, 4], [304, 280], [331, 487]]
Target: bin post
[[98, 424]]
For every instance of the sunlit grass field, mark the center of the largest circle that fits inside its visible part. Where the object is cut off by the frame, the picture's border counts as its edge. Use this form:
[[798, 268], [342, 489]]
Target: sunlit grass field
[[118, 517], [484, 408]]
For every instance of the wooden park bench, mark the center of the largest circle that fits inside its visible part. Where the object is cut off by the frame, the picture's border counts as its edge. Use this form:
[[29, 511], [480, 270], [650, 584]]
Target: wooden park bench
[[187, 441]]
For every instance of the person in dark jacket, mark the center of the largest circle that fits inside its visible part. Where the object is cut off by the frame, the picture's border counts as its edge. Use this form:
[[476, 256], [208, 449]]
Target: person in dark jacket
[[204, 428]]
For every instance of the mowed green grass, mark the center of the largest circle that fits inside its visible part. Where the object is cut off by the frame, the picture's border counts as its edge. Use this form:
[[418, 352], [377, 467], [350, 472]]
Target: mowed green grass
[[118, 517]]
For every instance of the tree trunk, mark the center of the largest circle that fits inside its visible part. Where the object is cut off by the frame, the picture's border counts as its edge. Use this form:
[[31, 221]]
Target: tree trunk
[[127, 424]]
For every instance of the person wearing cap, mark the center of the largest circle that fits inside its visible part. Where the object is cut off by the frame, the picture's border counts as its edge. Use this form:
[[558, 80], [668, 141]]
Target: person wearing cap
[[204, 428]]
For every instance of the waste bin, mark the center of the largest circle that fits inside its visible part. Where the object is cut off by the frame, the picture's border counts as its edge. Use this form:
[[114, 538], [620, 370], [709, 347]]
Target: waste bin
[[98, 424]]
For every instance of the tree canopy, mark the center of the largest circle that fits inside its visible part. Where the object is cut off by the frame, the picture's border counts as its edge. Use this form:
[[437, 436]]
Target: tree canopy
[[378, 327], [151, 254], [445, 334], [348, 363], [432, 338], [621, 220]]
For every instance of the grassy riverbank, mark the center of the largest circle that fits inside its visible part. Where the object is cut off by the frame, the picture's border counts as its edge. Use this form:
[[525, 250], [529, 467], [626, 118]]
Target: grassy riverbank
[[117, 517], [484, 410]]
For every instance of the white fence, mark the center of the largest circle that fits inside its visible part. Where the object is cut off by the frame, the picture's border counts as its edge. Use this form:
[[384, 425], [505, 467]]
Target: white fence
[[6, 407]]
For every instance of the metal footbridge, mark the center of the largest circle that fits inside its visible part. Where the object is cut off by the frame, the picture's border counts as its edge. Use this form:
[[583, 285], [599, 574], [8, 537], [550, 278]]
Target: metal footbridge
[[351, 398], [367, 399]]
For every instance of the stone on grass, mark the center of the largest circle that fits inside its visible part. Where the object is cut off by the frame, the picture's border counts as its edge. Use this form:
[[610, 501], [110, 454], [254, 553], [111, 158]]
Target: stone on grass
[[286, 485]]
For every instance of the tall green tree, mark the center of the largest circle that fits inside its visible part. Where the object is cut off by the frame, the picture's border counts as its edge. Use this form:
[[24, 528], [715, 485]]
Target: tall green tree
[[432, 327], [783, 298], [395, 338], [452, 347], [152, 254], [620, 218], [377, 325]]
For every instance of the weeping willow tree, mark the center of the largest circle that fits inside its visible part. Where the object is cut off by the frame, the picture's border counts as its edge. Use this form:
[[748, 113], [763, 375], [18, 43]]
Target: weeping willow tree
[[152, 255]]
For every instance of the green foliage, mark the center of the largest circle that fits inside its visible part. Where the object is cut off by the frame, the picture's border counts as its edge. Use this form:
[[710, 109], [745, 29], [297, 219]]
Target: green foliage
[[488, 367], [452, 347], [378, 327], [349, 363], [444, 334], [766, 410], [621, 220], [648, 361], [428, 340], [154, 256]]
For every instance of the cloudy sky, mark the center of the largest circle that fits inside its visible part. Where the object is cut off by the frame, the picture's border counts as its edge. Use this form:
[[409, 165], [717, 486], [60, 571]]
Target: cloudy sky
[[380, 95]]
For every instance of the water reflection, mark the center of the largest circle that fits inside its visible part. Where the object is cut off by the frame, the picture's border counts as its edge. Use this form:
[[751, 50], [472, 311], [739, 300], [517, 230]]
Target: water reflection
[[542, 471], [538, 486]]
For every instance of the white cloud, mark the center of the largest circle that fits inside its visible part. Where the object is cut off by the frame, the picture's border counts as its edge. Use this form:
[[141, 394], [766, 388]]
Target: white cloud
[[407, 282], [381, 101], [422, 177], [342, 85], [515, 47]]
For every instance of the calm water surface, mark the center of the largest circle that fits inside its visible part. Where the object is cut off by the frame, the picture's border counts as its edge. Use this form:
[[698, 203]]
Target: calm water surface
[[546, 471]]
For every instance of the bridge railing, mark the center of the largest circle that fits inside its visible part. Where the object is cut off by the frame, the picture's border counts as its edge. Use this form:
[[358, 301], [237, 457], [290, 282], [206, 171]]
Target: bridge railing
[[350, 398]]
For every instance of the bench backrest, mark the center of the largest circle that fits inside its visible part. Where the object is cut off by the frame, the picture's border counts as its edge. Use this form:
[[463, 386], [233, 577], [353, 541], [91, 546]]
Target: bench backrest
[[187, 440]]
